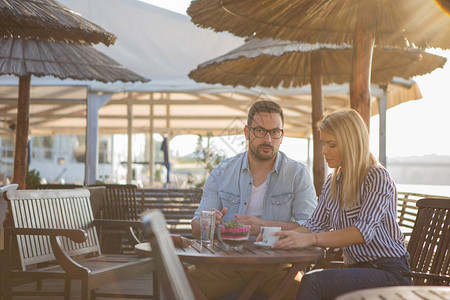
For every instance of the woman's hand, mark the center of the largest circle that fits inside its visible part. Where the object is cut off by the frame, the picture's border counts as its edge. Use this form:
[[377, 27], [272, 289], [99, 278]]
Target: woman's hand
[[259, 237], [294, 239]]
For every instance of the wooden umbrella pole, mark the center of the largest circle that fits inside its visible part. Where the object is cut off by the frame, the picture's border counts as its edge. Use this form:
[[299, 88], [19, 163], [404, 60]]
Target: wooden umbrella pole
[[21, 147], [363, 43], [317, 113]]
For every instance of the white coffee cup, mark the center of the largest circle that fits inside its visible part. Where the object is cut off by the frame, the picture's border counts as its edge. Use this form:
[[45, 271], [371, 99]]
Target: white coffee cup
[[267, 235]]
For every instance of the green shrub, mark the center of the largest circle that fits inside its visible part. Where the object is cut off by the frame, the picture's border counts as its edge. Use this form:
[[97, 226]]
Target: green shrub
[[33, 179]]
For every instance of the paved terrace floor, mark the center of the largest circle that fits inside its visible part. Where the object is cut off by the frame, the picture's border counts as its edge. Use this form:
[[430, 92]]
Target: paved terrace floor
[[138, 285]]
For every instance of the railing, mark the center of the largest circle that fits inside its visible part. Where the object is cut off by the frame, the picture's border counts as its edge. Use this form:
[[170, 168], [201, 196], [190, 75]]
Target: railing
[[177, 205], [407, 210]]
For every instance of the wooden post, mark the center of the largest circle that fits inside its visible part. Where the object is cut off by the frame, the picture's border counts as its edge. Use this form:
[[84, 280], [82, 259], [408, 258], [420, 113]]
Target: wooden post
[[317, 113], [23, 120], [363, 42]]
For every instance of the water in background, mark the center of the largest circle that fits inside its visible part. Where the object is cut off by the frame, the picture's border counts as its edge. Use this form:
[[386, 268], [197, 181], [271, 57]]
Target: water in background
[[439, 190]]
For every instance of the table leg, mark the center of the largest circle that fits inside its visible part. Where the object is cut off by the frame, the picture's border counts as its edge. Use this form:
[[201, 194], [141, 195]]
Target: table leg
[[287, 280], [251, 287], [198, 294]]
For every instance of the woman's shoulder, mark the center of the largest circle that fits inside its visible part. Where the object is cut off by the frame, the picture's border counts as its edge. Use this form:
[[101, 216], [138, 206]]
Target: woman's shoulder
[[378, 170], [378, 174]]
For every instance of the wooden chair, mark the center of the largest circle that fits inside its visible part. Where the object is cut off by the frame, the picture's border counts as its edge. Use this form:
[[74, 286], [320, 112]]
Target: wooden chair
[[429, 245], [3, 210], [119, 203], [177, 205], [58, 226], [98, 194], [56, 186], [171, 274]]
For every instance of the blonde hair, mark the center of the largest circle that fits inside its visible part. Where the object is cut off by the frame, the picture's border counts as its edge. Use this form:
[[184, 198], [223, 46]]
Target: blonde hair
[[353, 141]]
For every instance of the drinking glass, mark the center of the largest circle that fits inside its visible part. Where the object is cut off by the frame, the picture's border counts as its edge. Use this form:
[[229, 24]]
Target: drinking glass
[[207, 226]]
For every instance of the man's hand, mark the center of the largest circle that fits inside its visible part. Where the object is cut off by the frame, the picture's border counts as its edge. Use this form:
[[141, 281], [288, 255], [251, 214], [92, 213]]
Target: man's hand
[[195, 223], [254, 222], [220, 215]]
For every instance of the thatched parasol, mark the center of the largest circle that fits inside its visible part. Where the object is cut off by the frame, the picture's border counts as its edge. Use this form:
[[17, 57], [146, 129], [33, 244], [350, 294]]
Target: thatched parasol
[[397, 23], [62, 60], [275, 63], [419, 22], [48, 20], [39, 58]]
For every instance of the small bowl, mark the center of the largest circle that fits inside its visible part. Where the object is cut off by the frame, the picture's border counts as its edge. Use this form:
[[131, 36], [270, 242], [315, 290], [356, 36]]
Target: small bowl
[[235, 237]]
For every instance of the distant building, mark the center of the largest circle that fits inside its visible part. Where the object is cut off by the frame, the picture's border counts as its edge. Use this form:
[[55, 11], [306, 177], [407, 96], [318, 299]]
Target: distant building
[[58, 158], [61, 158]]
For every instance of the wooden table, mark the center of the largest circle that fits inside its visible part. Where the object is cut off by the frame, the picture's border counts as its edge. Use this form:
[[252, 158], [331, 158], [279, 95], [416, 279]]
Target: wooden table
[[400, 293], [250, 258]]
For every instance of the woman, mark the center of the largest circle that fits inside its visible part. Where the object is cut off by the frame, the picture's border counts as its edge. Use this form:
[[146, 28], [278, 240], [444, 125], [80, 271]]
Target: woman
[[357, 211]]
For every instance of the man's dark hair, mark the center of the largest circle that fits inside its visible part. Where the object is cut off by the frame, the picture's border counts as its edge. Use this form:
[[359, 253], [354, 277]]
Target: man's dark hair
[[264, 106]]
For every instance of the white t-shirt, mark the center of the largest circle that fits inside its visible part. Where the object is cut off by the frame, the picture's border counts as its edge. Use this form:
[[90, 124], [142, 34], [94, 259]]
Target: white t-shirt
[[256, 200]]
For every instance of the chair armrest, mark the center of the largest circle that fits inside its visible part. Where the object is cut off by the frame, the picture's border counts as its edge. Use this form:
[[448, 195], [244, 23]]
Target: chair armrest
[[433, 277], [74, 269], [76, 235]]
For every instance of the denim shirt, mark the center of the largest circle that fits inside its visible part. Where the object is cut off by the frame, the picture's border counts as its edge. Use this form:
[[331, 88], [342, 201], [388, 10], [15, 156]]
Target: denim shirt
[[289, 196]]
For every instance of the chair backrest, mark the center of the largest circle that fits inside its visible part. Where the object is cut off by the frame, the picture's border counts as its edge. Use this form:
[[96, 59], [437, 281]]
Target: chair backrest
[[98, 194], [119, 202], [430, 240], [4, 208], [51, 209], [50, 186], [171, 274]]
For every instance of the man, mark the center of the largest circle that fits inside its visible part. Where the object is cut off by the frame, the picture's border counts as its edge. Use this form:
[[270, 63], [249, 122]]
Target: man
[[260, 187]]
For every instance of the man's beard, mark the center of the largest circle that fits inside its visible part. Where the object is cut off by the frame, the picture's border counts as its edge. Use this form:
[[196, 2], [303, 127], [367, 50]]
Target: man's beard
[[259, 154]]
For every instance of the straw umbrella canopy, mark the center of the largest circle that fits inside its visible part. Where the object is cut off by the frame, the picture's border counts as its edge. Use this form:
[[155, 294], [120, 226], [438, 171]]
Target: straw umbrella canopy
[[362, 23], [420, 22], [276, 63], [24, 58], [48, 20]]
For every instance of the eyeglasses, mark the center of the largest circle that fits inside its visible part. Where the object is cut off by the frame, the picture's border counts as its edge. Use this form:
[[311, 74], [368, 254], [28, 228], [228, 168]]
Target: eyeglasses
[[259, 132]]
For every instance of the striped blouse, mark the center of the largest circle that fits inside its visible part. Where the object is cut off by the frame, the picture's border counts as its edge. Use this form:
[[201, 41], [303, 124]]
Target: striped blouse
[[375, 217]]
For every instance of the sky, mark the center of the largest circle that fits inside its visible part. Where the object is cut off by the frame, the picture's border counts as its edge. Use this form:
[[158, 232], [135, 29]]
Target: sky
[[414, 128]]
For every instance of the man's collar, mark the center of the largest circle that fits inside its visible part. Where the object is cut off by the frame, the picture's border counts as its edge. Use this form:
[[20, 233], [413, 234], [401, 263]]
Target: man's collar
[[276, 168], [245, 166], [277, 165]]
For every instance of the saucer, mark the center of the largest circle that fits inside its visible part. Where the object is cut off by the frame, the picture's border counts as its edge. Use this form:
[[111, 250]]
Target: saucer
[[263, 245]]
